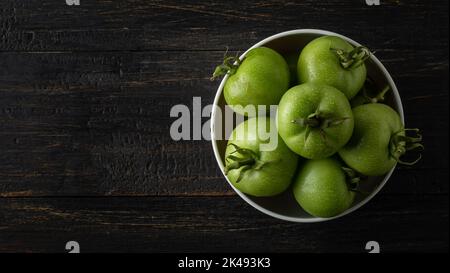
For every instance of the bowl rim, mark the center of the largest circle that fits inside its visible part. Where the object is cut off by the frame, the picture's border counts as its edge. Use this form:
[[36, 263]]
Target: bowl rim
[[312, 219]]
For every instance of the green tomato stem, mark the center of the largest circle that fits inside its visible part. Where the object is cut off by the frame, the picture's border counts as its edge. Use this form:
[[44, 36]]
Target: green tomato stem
[[330, 122], [353, 178], [316, 120], [310, 121], [244, 162], [380, 96], [363, 97], [400, 143], [239, 163], [352, 59], [229, 66], [247, 160]]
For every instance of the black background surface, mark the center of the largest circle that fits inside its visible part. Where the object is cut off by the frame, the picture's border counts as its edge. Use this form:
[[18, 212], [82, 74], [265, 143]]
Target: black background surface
[[85, 150]]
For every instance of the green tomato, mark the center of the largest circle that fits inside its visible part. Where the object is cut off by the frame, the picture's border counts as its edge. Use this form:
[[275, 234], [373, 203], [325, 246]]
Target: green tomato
[[333, 61], [321, 188], [315, 120], [253, 170], [261, 79], [378, 140]]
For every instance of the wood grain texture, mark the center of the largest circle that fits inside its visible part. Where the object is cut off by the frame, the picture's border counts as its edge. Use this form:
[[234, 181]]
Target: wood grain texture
[[99, 123], [85, 96], [215, 224], [36, 25]]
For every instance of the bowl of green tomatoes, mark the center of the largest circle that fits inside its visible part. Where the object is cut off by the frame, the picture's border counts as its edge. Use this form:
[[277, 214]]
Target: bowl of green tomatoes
[[307, 125]]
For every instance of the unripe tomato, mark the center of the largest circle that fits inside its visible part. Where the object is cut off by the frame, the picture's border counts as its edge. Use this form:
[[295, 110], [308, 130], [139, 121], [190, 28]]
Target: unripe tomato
[[333, 61], [315, 120], [260, 79], [321, 188], [255, 171], [378, 140]]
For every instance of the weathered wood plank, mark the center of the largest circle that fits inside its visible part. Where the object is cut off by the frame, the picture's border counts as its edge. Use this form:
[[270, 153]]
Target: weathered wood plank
[[85, 94], [52, 73], [216, 224], [98, 123], [35, 25]]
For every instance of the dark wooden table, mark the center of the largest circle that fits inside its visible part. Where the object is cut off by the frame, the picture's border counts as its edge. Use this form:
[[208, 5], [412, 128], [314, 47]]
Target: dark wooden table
[[85, 150]]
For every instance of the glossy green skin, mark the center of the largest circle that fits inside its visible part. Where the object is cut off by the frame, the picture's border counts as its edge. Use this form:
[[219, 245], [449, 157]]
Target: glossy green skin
[[368, 150], [273, 178], [321, 188], [261, 79], [302, 100], [318, 63]]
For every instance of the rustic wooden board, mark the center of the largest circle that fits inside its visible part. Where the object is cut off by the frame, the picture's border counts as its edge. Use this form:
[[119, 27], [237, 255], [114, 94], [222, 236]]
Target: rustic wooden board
[[98, 123], [204, 25], [85, 150], [215, 224]]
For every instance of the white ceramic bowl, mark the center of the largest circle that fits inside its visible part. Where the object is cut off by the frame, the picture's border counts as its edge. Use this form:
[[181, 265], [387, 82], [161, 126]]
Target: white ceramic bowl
[[284, 206]]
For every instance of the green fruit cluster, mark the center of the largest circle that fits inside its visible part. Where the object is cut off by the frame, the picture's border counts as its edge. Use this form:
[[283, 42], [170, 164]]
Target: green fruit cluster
[[333, 133]]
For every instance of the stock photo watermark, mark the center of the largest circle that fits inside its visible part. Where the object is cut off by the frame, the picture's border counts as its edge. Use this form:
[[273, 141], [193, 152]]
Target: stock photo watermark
[[372, 2], [189, 124], [73, 2], [72, 247], [373, 247]]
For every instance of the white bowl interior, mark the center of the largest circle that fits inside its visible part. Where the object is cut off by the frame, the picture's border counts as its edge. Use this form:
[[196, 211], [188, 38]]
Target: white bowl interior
[[284, 205]]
